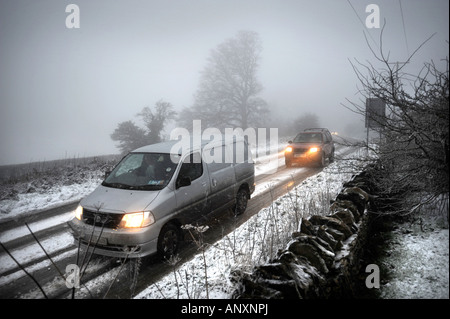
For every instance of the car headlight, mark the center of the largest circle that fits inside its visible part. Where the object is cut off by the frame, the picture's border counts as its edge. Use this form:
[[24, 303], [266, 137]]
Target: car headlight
[[137, 220], [288, 149], [314, 149], [79, 212]]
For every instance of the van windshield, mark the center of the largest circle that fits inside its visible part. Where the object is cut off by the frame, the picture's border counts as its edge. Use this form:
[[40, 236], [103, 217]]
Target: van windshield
[[143, 171]]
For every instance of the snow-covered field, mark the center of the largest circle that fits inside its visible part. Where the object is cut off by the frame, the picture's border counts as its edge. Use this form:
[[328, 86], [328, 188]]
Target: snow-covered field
[[44, 192]]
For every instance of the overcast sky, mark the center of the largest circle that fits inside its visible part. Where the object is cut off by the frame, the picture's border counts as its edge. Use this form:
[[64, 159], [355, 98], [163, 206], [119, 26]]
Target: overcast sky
[[63, 91]]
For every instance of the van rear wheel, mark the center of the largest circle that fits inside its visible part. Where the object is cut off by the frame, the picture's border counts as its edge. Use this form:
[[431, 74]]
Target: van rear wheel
[[168, 241], [241, 201]]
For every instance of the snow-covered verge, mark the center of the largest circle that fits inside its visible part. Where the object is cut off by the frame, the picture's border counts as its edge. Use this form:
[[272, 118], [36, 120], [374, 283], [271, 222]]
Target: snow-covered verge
[[416, 260], [39, 189]]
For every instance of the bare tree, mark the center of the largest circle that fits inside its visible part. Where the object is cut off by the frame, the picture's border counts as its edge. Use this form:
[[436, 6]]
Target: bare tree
[[228, 91], [414, 151]]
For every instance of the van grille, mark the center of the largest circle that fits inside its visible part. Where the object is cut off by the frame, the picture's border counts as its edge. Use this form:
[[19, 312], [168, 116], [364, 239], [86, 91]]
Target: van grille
[[101, 219]]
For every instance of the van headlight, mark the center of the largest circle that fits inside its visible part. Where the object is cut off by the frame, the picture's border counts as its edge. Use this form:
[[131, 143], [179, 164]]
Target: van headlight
[[79, 212], [137, 220], [288, 149], [313, 149]]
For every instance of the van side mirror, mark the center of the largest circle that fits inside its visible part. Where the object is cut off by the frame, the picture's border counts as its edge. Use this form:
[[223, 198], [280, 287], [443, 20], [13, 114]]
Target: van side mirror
[[183, 181], [289, 142], [107, 174]]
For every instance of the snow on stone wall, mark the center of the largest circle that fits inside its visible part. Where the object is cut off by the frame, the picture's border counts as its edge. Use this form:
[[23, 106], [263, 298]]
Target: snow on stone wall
[[321, 260]]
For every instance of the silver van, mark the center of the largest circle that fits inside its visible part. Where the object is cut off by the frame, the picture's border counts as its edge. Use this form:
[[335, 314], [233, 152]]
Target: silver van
[[141, 205]]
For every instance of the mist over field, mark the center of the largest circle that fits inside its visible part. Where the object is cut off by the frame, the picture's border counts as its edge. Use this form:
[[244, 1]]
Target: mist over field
[[69, 77]]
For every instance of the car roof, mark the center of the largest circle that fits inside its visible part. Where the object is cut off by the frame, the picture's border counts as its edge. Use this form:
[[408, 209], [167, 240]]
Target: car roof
[[316, 129]]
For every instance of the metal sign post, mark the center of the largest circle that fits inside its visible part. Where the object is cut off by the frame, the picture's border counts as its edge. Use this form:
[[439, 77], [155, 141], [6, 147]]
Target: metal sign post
[[375, 116]]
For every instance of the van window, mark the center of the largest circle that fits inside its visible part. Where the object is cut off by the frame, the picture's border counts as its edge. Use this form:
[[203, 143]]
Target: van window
[[142, 171], [192, 167], [131, 162]]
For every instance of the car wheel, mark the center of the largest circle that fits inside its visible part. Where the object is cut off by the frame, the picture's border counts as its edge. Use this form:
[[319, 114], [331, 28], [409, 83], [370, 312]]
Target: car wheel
[[322, 160], [288, 163], [241, 201], [331, 158], [168, 241]]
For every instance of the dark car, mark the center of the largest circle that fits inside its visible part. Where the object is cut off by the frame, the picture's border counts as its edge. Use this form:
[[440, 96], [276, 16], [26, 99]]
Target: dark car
[[313, 145]]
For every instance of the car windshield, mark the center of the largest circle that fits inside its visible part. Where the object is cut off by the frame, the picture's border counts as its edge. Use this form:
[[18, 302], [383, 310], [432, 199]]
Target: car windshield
[[308, 138], [143, 171]]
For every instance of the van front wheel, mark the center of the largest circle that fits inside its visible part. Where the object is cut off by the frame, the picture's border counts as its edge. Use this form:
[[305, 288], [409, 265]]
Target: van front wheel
[[168, 241], [241, 201]]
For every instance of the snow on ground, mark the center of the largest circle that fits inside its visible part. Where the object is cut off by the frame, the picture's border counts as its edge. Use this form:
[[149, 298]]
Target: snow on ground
[[56, 195], [22, 231], [33, 250], [419, 259]]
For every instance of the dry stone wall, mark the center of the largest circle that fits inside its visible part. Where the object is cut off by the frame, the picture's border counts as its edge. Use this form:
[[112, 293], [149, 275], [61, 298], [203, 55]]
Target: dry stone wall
[[322, 259]]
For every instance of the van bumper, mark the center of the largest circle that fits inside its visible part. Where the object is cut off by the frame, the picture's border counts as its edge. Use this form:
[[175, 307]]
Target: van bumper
[[120, 243]]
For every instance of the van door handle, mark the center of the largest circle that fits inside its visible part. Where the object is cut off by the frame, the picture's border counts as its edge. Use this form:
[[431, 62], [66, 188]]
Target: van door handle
[[214, 182]]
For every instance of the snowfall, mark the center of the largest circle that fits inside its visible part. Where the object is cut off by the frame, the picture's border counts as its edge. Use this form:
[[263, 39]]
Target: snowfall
[[418, 260]]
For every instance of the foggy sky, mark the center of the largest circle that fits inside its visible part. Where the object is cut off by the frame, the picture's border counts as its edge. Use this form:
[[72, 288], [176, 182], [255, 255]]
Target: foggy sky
[[63, 91]]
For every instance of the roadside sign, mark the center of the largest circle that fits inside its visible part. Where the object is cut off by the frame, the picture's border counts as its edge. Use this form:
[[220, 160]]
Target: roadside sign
[[375, 113]]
